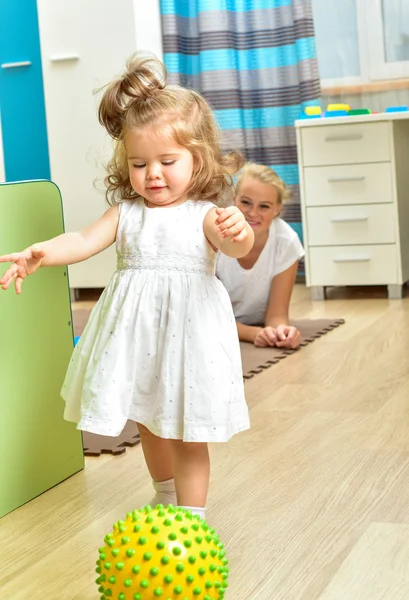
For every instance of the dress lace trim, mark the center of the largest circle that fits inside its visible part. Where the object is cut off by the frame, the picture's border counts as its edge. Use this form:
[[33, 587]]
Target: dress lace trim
[[166, 262]]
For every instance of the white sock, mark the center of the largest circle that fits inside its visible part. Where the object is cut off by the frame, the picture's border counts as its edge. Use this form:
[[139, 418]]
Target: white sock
[[165, 493], [196, 510]]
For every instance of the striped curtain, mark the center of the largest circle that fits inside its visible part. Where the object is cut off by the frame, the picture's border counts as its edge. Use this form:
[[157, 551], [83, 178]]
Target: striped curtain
[[255, 62]]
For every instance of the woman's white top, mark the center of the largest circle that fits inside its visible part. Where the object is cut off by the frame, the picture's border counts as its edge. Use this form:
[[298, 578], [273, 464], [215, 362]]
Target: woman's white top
[[249, 289]]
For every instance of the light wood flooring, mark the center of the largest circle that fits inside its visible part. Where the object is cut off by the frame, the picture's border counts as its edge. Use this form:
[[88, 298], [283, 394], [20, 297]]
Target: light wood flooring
[[312, 502]]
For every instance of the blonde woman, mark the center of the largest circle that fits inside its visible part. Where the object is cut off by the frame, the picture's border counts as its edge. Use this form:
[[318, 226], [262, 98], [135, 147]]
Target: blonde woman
[[261, 283]]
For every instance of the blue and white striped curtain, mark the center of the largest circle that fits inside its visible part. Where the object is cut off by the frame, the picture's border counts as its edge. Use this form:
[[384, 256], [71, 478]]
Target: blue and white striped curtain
[[255, 62]]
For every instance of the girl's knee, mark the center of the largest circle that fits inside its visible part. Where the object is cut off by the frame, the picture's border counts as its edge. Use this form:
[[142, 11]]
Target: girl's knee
[[190, 448]]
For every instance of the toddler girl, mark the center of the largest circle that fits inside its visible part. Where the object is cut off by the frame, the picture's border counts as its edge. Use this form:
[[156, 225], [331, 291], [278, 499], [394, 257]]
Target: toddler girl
[[161, 345]]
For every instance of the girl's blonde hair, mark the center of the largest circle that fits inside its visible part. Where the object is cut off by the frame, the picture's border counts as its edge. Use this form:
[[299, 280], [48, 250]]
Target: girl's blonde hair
[[267, 175], [141, 97]]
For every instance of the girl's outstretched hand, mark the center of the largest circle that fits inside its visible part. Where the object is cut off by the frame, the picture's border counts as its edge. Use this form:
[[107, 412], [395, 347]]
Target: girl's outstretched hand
[[24, 263], [231, 223]]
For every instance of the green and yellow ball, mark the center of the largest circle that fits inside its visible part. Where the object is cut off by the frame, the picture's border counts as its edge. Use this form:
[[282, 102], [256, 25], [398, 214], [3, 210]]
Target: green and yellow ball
[[164, 553]]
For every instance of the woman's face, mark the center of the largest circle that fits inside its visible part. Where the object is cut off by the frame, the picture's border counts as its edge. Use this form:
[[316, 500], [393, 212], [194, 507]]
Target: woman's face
[[259, 204]]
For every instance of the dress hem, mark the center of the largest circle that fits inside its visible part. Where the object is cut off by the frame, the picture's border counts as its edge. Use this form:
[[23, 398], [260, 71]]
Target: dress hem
[[221, 434]]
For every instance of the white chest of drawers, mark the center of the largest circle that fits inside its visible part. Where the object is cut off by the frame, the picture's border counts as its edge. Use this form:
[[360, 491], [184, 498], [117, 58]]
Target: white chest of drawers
[[354, 188]]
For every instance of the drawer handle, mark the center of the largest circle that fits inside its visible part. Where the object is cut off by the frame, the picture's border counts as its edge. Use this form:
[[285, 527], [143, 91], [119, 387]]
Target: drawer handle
[[64, 58], [344, 138], [16, 65], [343, 179], [352, 259], [348, 219]]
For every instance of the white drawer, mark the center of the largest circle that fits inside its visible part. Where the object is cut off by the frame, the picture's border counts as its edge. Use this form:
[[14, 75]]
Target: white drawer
[[348, 184], [345, 144], [346, 225], [355, 265]]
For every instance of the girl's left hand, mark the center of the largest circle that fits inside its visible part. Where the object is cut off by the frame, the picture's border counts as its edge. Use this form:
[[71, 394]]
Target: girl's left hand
[[287, 336], [231, 224]]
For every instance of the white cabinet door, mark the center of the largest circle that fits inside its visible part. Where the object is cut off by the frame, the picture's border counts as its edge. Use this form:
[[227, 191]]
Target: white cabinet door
[[83, 45], [354, 265], [338, 185], [347, 144], [351, 225]]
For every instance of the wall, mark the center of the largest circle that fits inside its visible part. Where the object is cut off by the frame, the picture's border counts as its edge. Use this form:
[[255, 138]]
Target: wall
[[148, 26], [375, 101]]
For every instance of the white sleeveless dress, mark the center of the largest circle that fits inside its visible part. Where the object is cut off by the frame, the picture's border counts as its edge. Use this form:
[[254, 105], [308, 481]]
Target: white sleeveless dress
[[161, 345]]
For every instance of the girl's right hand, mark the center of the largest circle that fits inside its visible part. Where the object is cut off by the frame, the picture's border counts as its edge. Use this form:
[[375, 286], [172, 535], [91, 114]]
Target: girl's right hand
[[24, 263]]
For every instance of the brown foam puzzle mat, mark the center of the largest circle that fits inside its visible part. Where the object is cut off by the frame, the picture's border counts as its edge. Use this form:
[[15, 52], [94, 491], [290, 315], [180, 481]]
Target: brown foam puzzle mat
[[255, 361], [95, 445]]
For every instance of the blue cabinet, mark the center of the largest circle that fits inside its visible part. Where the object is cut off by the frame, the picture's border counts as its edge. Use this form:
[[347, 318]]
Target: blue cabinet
[[22, 106]]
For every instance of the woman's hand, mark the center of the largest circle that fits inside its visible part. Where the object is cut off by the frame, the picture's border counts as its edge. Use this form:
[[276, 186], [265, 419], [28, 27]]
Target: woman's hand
[[24, 263], [266, 337], [287, 336], [283, 336]]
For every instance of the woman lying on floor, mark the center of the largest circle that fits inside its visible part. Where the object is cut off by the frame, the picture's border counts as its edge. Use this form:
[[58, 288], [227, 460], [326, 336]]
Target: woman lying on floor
[[260, 285]]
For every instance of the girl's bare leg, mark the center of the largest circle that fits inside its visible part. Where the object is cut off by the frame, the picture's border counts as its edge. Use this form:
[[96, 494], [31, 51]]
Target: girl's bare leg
[[191, 470], [180, 470], [158, 457]]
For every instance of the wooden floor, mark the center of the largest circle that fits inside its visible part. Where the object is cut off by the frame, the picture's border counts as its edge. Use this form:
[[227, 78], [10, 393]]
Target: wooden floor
[[312, 502]]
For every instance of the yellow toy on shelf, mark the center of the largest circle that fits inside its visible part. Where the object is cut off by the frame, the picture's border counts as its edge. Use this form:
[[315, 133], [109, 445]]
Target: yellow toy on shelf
[[162, 553], [337, 107], [313, 110]]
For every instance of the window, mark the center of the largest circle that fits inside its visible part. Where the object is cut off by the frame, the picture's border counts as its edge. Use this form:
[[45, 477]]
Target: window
[[388, 41], [361, 41]]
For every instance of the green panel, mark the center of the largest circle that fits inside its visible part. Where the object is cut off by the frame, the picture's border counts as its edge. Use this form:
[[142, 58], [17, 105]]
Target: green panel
[[38, 449]]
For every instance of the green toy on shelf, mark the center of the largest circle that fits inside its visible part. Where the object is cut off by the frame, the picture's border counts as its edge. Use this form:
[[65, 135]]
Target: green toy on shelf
[[355, 112]]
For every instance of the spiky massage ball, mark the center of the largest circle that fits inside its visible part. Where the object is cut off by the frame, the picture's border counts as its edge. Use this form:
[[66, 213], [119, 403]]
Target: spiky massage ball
[[162, 553]]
